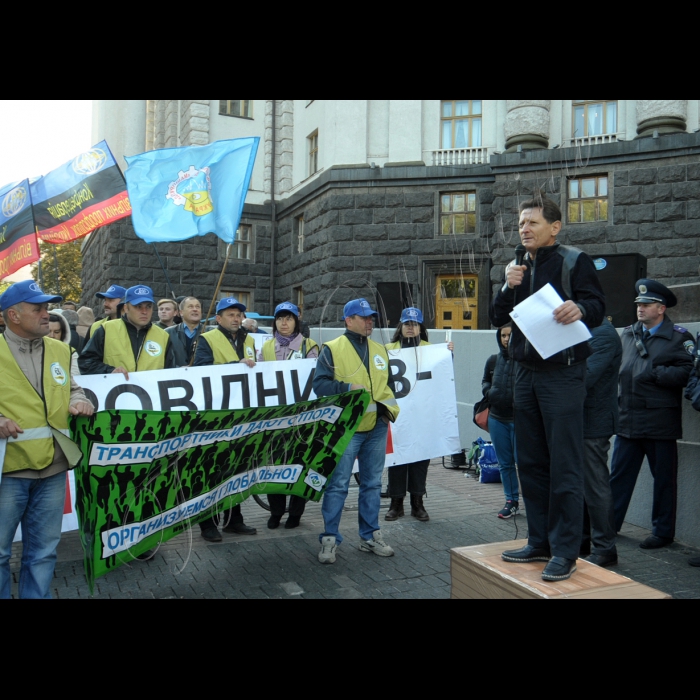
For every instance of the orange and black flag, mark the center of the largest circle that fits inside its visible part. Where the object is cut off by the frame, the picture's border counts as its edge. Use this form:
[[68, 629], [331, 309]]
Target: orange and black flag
[[18, 244], [80, 196]]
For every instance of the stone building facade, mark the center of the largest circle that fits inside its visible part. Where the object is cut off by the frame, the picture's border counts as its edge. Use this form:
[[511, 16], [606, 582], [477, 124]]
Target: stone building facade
[[375, 222]]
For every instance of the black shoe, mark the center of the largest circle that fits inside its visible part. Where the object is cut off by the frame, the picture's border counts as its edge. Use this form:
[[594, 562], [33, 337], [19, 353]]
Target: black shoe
[[585, 549], [211, 534], [695, 561], [527, 553], [654, 542], [274, 522], [292, 522], [559, 569], [240, 529], [608, 559], [145, 556]]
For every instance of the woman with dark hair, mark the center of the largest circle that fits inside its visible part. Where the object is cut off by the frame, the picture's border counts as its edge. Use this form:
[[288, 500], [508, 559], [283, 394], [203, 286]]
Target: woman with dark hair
[[497, 386], [410, 333], [287, 344]]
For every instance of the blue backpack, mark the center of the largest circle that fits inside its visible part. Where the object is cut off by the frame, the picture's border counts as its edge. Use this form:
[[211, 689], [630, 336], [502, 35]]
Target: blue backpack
[[487, 463]]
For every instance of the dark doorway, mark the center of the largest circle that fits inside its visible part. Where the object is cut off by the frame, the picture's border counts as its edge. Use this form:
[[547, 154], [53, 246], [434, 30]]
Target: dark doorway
[[392, 299]]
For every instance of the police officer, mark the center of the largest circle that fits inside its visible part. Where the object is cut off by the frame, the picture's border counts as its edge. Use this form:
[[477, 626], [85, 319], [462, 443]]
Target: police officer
[[227, 343], [111, 298], [130, 343], [657, 358], [349, 362]]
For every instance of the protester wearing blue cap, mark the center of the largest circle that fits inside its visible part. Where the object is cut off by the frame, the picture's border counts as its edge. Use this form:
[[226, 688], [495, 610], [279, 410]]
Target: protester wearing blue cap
[[287, 344], [111, 299], [410, 333], [226, 344], [131, 343], [354, 361], [38, 395]]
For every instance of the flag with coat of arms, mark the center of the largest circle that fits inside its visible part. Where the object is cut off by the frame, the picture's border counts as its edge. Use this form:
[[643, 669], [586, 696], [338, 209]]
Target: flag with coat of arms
[[178, 193]]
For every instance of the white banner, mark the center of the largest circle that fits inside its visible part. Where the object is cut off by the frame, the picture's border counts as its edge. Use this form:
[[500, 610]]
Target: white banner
[[425, 390]]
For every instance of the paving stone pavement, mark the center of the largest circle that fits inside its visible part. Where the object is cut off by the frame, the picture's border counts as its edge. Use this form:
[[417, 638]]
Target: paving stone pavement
[[283, 563]]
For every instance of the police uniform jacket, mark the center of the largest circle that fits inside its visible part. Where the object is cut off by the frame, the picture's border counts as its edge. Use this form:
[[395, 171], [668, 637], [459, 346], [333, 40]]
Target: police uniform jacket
[[651, 388], [545, 269]]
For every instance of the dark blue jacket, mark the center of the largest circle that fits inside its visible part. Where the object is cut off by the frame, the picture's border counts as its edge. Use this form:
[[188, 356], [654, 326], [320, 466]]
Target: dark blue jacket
[[600, 409]]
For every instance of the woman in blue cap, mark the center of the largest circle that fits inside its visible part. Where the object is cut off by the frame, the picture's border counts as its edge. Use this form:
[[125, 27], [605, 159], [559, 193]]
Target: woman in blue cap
[[287, 344], [410, 333]]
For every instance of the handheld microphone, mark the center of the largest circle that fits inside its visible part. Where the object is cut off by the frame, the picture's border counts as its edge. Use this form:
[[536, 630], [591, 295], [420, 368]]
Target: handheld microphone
[[519, 253]]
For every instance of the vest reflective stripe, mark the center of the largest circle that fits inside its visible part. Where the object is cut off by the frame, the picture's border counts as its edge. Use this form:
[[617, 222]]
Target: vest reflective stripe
[[119, 353], [397, 345], [268, 349], [349, 367], [34, 448], [222, 349], [37, 434]]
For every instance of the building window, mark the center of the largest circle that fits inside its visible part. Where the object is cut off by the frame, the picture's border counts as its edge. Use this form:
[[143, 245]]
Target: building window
[[588, 199], [239, 294], [242, 245], [460, 122], [458, 213], [313, 152], [594, 118], [236, 108], [298, 297], [299, 235]]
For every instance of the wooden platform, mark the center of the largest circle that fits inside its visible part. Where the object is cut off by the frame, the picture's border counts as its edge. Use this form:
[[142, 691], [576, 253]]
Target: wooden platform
[[480, 573]]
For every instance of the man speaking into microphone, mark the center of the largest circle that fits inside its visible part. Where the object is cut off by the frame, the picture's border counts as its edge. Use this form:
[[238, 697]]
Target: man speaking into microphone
[[549, 394]]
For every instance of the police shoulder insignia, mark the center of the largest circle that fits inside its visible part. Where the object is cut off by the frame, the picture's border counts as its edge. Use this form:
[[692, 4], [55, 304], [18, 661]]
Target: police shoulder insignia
[[680, 329], [689, 346]]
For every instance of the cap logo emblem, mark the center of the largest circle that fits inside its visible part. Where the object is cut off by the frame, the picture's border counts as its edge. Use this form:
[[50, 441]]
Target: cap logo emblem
[[34, 287], [364, 304], [642, 289], [141, 291], [412, 313]]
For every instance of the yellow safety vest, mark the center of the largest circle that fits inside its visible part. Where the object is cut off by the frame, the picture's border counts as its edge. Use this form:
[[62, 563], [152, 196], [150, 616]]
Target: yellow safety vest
[[397, 345], [223, 350], [349, 367], [33, 449], [97, 324], [118, 351], [268, 349]]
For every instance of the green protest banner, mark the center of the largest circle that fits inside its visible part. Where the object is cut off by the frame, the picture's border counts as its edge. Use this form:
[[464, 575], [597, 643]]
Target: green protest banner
[[147, 476]]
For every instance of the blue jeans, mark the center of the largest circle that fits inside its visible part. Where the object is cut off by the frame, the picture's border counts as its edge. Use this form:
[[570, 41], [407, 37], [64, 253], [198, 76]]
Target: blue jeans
[[370, 449], [503, 439], [38, 505]]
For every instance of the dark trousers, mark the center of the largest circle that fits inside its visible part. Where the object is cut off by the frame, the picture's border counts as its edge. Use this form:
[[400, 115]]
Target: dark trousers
[[411, 477], [628, 455], [599, 526], [278, 503], [549, 434], [226, 517]]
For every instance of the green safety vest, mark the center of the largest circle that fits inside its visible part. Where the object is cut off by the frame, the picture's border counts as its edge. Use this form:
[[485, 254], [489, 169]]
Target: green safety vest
[[349, 367], [268, 349], [97, 324], [397, 345], [33, 449], [118, 351], [224, 351]]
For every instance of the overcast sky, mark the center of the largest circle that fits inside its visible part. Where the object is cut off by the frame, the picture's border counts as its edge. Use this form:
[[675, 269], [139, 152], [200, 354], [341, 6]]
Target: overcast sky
[[37, 136]]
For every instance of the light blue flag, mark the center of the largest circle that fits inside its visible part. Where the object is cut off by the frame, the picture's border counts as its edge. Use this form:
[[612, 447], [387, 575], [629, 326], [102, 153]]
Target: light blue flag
[[178, 193]]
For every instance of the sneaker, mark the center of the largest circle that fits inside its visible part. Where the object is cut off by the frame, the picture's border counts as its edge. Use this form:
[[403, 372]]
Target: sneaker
[[377, 545], [328, 547], [510, 509]]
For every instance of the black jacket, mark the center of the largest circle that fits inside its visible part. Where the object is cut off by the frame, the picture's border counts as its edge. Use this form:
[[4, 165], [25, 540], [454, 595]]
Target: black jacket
[[547, 268], [497, 384], [181, 344], [600, 409], [651, 388]]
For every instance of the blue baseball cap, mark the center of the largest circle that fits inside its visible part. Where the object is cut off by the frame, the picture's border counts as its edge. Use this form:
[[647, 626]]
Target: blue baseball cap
[[229, 303], [411, 314], [287, 306], [358, 307], [138, 295], [28, 291], [114, 292]]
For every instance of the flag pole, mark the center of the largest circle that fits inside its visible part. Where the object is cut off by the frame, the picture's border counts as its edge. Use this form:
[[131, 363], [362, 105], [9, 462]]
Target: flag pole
[[167, 279], [211, 306]]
